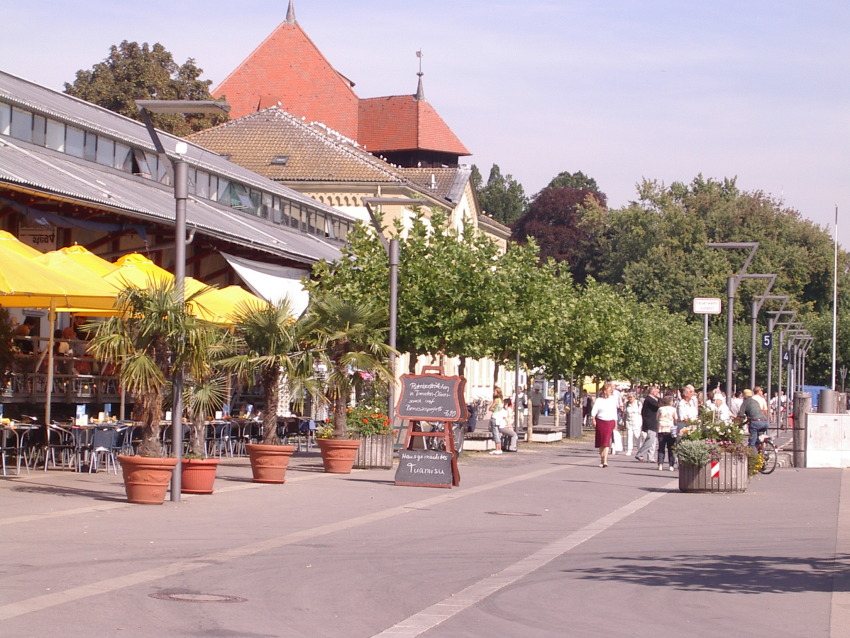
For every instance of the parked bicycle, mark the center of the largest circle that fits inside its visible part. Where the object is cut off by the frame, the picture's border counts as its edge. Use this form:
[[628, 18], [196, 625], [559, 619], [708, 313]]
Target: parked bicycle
[[767, 448]]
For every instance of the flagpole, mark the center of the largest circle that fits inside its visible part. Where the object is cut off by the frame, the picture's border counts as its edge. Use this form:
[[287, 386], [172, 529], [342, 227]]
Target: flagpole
[[834, 294]]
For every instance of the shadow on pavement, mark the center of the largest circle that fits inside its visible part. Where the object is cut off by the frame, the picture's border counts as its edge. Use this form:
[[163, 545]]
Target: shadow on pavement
[[70, 491], [729, 574]]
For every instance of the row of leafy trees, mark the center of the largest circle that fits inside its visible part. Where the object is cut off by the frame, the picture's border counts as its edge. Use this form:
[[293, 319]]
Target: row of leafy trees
[[656, 247], [458, 297]]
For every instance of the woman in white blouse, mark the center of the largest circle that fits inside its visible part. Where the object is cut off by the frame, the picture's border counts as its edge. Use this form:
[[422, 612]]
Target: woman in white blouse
[[604, 414]]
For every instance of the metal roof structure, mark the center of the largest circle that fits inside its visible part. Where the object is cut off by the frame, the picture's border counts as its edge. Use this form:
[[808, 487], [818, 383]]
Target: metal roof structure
[[26, 167]]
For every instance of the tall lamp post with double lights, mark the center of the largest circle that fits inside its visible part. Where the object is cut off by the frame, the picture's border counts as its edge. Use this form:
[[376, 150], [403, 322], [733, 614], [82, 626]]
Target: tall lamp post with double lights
[[180, 180], [732, 283]]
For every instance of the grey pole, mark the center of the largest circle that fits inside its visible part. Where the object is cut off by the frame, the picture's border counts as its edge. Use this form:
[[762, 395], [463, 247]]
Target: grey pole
[[393, 250], [705, 358], [181, 195], [754, 312], [730, 330]]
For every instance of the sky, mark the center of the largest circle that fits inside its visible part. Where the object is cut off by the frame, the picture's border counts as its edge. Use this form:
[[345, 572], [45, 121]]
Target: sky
[[623, 91]]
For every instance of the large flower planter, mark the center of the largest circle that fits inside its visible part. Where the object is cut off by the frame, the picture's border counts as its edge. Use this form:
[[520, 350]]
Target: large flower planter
[[197, 476], [730, 475], [269, 462], [375, 451], [146, 478], [338, 454]]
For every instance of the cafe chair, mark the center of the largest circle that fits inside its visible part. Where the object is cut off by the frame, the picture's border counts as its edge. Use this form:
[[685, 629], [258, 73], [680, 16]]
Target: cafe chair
[[103, 446], [220, 440]]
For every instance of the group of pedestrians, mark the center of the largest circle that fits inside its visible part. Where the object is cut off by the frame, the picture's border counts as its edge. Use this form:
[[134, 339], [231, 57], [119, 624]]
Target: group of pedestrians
[[652, 422]]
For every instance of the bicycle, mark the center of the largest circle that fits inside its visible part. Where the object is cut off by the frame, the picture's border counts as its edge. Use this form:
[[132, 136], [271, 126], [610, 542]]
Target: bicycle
[[767, 448]]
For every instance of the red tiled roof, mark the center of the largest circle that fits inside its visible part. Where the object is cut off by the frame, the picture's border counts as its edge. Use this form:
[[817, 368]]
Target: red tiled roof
[[313, 154], [401, 122], [287, 68]]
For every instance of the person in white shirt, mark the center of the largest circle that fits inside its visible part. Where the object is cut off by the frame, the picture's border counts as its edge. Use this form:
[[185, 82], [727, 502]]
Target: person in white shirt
[[634, 422], [604, 413]]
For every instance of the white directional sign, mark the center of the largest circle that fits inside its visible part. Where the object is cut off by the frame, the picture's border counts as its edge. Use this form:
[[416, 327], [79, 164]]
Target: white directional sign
[[706, 306]]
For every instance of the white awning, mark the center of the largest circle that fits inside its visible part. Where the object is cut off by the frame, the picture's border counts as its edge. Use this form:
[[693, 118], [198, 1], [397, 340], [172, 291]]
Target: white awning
[[272, 282]]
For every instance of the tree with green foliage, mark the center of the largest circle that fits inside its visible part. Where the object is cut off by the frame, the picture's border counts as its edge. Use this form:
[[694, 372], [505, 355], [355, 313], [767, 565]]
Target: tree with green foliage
[[445, 307], [576, 180], [502, 197], [140, 72]]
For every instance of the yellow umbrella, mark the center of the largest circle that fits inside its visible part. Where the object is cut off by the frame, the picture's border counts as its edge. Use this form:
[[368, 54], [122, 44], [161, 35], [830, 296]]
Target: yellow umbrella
[[85, 257], [136, 270], [27, 283], [139, 271], [209, 303], [8, 240], [237, 295], [137, 262]]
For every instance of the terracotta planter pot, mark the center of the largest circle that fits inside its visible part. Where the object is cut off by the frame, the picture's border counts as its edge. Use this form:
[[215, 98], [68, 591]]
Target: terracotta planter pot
[[146, 478], [731, 477], [269, 462], [375, 451], [197, 476], [338, 454]]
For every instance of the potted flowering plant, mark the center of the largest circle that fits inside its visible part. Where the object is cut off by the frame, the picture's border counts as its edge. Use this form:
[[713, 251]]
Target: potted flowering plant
[[713, 456], [373, 428]]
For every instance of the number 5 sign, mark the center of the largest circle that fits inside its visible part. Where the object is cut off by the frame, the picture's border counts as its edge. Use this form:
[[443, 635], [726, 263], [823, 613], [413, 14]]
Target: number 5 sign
[[767, 340]]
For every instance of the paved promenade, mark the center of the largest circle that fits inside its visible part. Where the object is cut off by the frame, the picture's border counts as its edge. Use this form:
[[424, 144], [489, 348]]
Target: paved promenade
[[538, 543]]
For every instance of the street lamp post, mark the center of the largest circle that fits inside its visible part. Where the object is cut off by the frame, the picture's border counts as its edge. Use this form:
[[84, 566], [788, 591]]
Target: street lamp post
[[732, 283], [392, 248], [181, 194]]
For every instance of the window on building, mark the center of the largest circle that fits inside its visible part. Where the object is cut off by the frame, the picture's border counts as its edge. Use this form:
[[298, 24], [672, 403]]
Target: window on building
[[21, 125], [122, 152], [5, 119], [105, 151], [75, 141], [55, 136], [39, 130], [90, 148]]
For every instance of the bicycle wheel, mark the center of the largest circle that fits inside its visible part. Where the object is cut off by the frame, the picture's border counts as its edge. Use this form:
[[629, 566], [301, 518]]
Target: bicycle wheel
[[768, 453]]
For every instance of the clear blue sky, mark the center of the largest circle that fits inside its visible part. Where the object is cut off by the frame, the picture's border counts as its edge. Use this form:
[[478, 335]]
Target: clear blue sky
[[620, 90]]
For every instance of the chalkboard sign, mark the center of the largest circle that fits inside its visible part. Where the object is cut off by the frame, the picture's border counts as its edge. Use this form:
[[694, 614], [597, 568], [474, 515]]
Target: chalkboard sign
[[424, 468], [431, 397]]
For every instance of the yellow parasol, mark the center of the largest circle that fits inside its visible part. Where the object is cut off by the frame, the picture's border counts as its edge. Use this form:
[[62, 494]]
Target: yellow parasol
[[27, 283], [85, 257], [237, 295], [8, 240]]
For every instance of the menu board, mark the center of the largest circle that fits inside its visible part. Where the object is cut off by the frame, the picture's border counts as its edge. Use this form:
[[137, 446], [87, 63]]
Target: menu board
[[424, 468], [431, 397]]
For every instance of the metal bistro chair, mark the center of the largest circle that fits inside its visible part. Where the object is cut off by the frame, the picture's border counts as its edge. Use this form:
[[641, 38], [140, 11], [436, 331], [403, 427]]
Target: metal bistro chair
[[220, 439], [167, 441], [103, 445], [11, 445], [60, 440]]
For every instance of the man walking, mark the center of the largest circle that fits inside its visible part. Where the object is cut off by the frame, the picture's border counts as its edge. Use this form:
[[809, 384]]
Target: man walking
[[649, 416], [536, 405]]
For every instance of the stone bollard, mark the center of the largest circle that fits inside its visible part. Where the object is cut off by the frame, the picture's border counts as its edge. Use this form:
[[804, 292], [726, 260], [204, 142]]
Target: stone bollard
[[802, 407]]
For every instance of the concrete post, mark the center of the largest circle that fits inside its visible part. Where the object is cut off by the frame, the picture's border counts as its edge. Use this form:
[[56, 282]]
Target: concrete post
[[802, 407]]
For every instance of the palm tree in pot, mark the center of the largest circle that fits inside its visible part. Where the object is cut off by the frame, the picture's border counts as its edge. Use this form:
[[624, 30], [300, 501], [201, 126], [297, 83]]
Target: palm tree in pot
[[270, 348], [350, 339], [152, 337]]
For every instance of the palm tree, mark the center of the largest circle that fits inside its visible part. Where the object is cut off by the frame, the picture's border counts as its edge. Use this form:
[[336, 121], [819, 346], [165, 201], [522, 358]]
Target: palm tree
[[152, 337], [350, 339], [205, 388], [269, 346]]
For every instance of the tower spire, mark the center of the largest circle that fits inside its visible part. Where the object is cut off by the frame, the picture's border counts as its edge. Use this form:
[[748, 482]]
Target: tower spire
[[420, 91], [290, 14]]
